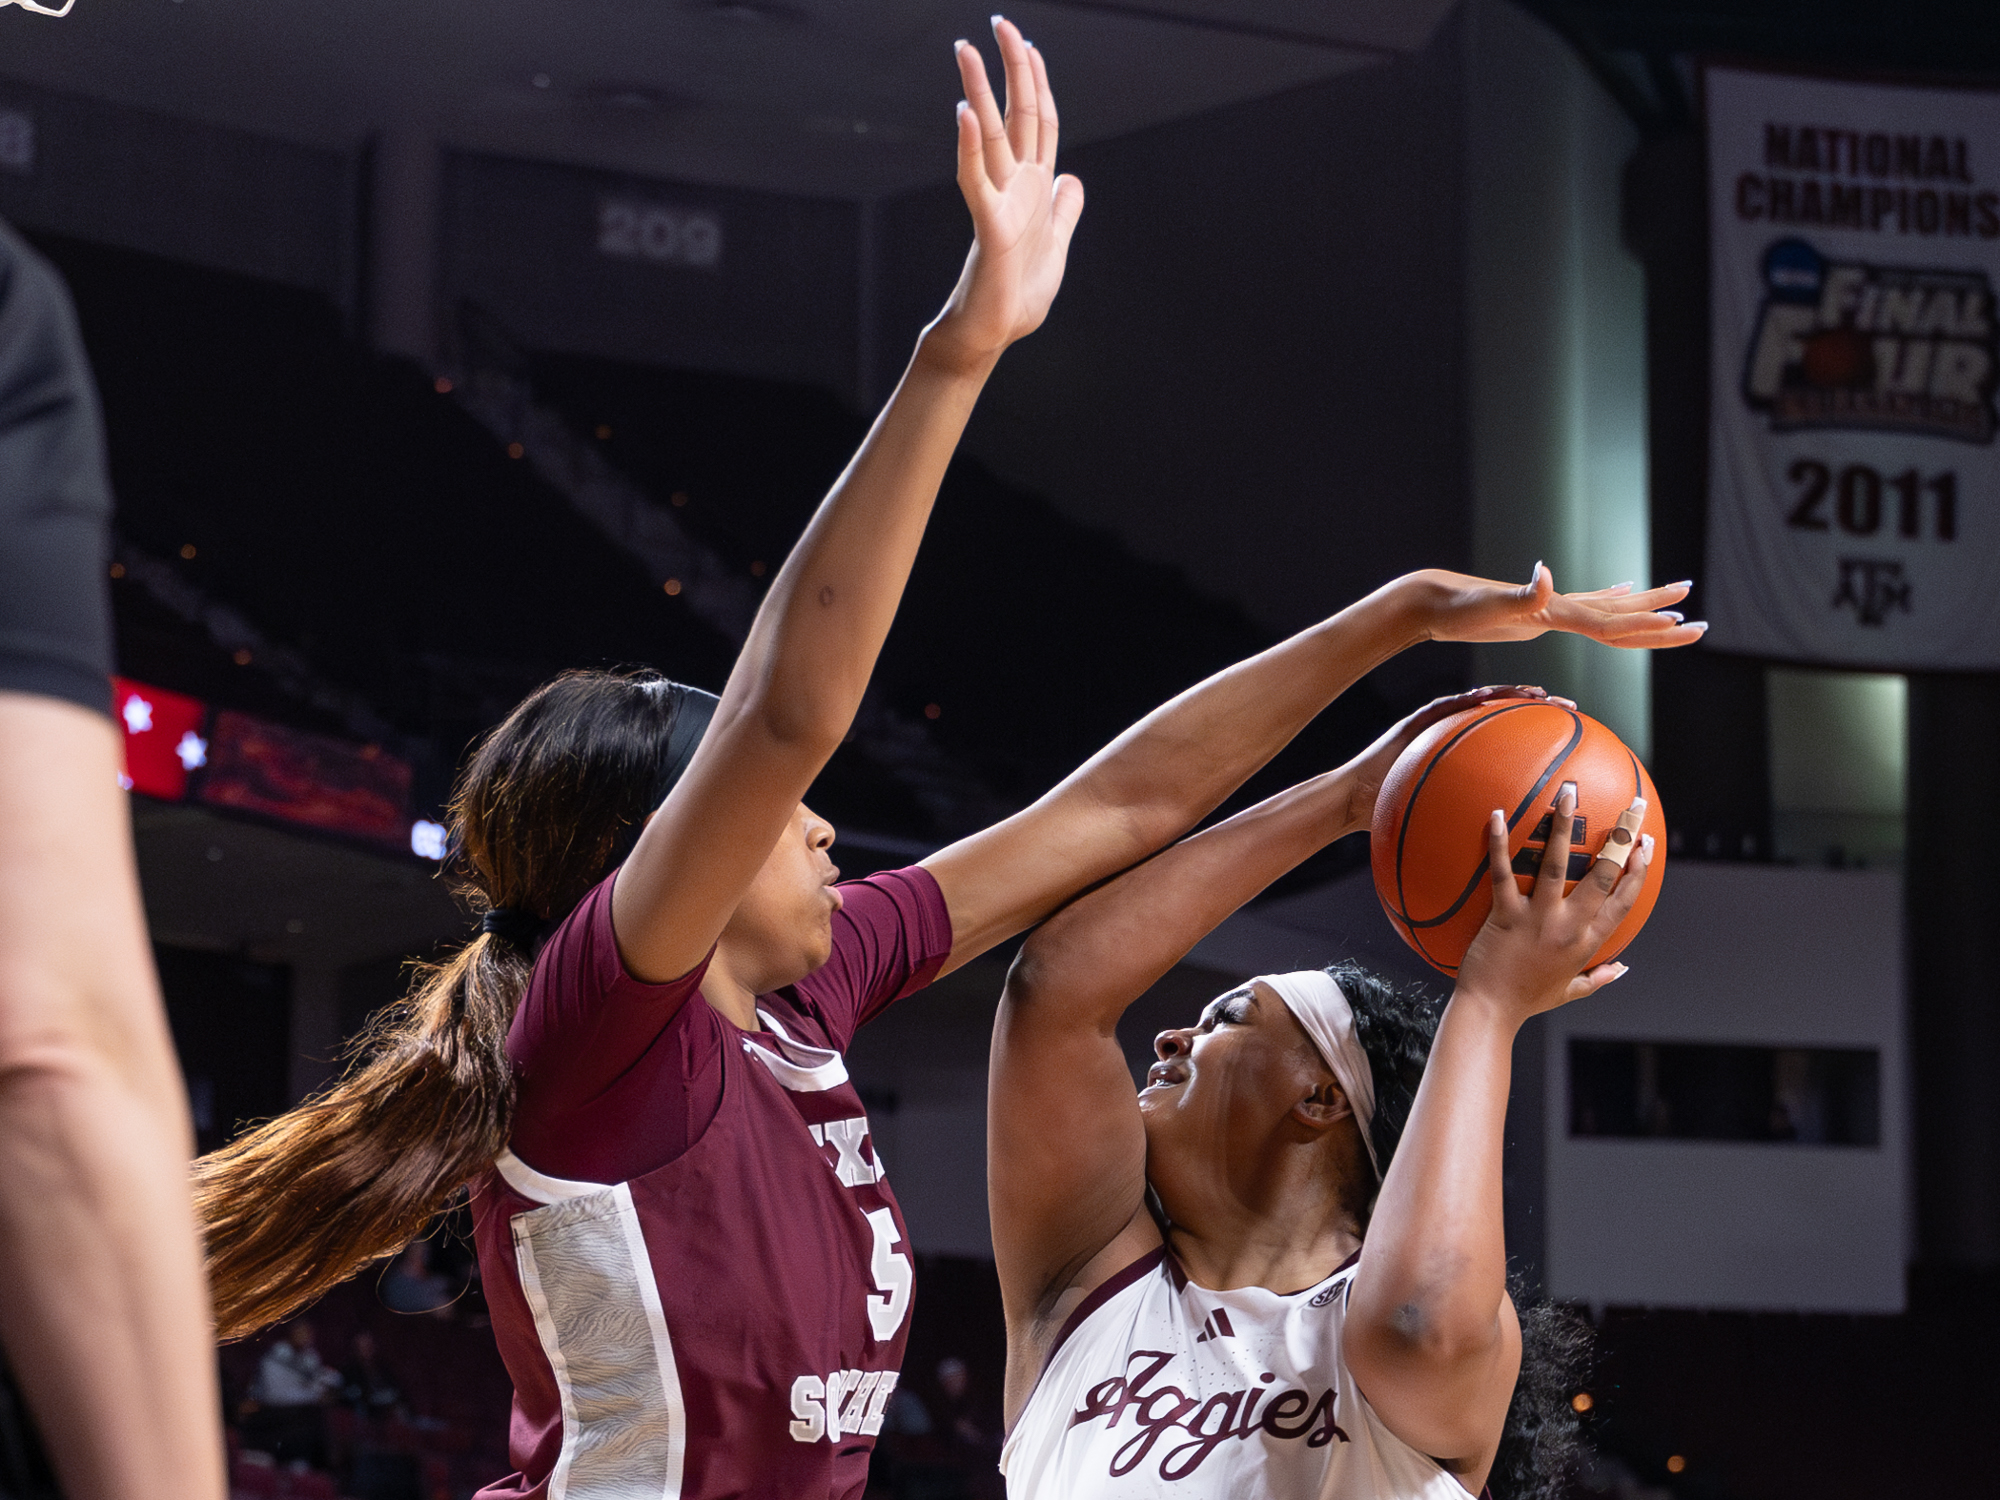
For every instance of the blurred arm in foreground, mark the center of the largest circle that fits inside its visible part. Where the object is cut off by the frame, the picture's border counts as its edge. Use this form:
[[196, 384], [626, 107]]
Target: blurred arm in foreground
[[105, 1320]]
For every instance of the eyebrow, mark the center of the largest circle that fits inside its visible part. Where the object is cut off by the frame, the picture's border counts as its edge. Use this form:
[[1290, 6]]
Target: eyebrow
[[1248, 991]]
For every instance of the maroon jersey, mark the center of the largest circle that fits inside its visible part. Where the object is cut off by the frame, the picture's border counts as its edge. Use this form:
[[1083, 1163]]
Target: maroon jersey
[[719, 1306]]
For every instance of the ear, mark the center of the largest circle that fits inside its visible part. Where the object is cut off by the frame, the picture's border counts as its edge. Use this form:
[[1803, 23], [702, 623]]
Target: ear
[[1323, 1108]]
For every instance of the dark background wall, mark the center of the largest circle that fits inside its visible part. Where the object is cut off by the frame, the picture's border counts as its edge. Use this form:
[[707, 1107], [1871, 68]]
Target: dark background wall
[[1255, 360], [218, 197]]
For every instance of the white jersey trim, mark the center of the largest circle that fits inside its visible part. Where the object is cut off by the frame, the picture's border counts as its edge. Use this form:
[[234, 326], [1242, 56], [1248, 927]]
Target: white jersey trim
[[663, 1347], [588, 1281], [801, 1068], [539, 1186]]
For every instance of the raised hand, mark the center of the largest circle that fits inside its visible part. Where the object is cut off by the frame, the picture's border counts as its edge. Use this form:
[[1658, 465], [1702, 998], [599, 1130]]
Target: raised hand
[[1022, 213], [1371, 767], [1479, 609], [1530, 955]]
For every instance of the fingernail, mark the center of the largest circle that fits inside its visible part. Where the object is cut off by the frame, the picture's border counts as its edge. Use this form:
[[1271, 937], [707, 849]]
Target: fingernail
[[1622, 969], [1568, 790], [995, 19], [1538, 569], [1685, 583], [1646, 847], [1638, 805], [1625, 585], [1675, 615], [960, 44], [1699, 624]]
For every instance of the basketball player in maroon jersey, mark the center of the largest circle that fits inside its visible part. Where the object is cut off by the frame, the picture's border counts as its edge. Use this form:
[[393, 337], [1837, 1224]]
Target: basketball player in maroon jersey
[[698, 1276]]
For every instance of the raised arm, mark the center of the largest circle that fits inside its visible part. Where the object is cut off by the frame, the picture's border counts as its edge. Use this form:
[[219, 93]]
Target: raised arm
[[1431, 1335], [1172, 768], [796, 686], [1066, 1152]]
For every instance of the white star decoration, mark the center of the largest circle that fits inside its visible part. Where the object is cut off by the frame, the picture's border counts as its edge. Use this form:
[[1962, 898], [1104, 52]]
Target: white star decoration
[[138, 715], [193, 751]]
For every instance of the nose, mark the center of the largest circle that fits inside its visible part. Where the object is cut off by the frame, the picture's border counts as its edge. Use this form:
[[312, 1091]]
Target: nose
[[1169, 1045], [819, 833]]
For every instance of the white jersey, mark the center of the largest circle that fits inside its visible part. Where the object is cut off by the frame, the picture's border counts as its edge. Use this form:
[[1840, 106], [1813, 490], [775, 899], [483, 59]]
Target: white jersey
[[1157, 1387]]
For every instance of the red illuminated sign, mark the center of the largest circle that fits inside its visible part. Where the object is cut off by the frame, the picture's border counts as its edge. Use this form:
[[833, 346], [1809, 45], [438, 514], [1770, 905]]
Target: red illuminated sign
[[165, 737], [264, 768]]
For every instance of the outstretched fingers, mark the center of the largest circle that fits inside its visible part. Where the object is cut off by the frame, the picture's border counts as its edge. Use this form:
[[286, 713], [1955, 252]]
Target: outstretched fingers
[[997, 158], [1046, 102], [1625, 600], [1024, 119]]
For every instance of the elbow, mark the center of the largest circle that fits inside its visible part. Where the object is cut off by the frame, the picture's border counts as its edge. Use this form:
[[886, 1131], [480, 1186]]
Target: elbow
[[1040, 973], [811, 718], [1423, 1333], [1027, 976]]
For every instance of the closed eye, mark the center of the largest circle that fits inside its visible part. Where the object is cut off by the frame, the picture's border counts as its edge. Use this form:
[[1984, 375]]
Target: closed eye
[[1227, 1010]]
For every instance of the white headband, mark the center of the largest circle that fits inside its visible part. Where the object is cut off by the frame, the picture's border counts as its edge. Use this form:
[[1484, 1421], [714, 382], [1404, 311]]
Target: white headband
[[1313, 997]]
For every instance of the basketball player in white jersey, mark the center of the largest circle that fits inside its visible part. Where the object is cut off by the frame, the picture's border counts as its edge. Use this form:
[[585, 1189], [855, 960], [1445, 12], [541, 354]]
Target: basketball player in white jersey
[[1272, 1273]]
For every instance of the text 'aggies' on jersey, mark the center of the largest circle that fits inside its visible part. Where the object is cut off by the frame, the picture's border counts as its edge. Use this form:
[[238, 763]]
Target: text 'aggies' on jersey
[[1159, 1387]]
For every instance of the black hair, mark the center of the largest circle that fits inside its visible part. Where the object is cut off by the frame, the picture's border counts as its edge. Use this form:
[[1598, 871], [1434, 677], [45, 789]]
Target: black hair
[[1541, 1441], [545, 808]]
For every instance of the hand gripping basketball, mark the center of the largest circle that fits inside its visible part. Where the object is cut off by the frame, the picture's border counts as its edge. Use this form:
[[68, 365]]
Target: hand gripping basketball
[[1535, 950]]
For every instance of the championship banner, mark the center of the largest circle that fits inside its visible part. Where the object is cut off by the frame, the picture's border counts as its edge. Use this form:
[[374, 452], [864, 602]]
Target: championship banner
[[1854, 484]]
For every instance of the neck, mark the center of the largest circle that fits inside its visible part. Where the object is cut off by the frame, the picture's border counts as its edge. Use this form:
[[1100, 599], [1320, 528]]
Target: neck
[[1283, 1224], [1277, 1257], [728, 990]]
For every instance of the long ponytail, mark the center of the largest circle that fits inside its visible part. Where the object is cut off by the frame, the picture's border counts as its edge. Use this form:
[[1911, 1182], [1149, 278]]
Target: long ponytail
[[547, 804]]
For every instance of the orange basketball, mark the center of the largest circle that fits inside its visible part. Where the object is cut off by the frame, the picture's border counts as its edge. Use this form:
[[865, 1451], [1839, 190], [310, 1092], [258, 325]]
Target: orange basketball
[[1428, 844]]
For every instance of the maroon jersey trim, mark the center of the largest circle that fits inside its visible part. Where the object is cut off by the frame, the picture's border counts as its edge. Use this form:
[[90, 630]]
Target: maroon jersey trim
[[1100, 1294]]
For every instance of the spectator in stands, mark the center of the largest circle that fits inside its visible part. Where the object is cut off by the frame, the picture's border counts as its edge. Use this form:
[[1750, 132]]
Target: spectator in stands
[[106, 1316], [286, 1413]]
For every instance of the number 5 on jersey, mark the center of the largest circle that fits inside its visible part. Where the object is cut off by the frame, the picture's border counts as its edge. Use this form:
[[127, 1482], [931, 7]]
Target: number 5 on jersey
[[889, 1303]]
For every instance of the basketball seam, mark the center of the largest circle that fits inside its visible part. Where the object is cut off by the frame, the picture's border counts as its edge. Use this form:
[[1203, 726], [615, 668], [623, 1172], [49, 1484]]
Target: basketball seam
[[1409, 809], [1485, 861], [1402, 911]]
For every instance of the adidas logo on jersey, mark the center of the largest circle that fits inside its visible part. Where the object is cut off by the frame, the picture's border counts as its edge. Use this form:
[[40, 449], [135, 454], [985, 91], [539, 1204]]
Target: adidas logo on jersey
[[1215, 1326]]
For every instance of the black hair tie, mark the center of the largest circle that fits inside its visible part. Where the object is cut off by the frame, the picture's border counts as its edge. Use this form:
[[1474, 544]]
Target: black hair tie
[[517, 929]]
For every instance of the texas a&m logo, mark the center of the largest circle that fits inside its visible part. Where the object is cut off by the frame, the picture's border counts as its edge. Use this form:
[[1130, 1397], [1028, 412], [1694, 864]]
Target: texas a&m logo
[[1845, 344]]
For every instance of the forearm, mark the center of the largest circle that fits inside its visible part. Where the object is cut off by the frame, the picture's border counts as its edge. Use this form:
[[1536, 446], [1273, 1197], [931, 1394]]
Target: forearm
[[1106, 949], [105, 1321], [1176, 765], [1434, 1276], [811, 649]]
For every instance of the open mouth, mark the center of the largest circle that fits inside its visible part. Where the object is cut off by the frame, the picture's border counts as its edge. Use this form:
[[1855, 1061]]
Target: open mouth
[[1162, 1074]]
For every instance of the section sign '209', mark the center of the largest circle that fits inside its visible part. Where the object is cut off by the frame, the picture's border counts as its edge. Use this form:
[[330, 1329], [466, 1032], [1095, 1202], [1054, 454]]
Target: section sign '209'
[[1854, 482]]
